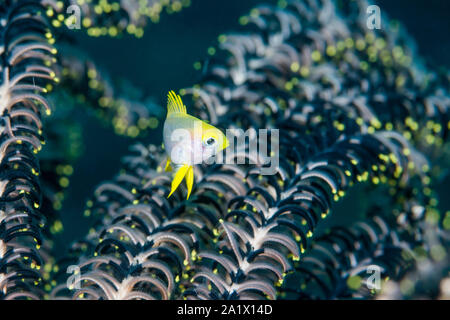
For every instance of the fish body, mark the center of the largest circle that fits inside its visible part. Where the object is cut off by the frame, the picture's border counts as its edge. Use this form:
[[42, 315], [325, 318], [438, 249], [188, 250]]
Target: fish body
[[188, 141]]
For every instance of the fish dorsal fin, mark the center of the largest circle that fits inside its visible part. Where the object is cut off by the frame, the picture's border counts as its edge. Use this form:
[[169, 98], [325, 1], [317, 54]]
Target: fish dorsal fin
[[174, 104]]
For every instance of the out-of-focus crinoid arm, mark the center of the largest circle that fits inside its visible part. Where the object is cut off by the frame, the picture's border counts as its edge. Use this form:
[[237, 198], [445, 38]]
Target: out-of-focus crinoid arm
[[300, 69], [64, 145], [336, 265], [340, 264], [429, 280], [115, 17], [25, 70], [260, 229], [117, 104], [83, 85]]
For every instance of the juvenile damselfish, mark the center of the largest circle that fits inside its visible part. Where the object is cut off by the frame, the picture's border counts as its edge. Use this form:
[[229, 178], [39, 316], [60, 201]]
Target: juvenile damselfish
[[188, 141]]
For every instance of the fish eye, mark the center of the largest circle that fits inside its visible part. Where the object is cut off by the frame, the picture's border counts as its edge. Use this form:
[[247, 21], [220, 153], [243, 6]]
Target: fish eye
[[210, 141]]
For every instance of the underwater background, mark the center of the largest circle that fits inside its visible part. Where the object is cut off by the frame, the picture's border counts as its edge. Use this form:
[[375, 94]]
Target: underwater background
[[154, 66], [87, 145]]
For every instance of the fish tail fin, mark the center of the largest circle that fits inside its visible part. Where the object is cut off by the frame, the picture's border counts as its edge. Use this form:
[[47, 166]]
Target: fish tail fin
[[168, 166], [175, 104], [179, 176], [189, 180]]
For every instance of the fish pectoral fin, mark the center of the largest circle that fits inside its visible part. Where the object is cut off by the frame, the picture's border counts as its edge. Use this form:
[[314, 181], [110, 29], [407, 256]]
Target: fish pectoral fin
[[189, 180], [179, 176], [168, 166]]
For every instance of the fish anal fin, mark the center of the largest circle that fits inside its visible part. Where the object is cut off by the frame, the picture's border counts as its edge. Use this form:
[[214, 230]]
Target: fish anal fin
[[179, 176], [189, 180]]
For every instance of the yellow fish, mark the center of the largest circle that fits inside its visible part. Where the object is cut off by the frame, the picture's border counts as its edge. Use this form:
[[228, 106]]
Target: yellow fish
[[188, 141]]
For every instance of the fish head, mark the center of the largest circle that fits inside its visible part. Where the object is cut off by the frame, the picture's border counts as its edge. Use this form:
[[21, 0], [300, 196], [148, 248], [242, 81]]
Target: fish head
[[213, 141]]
